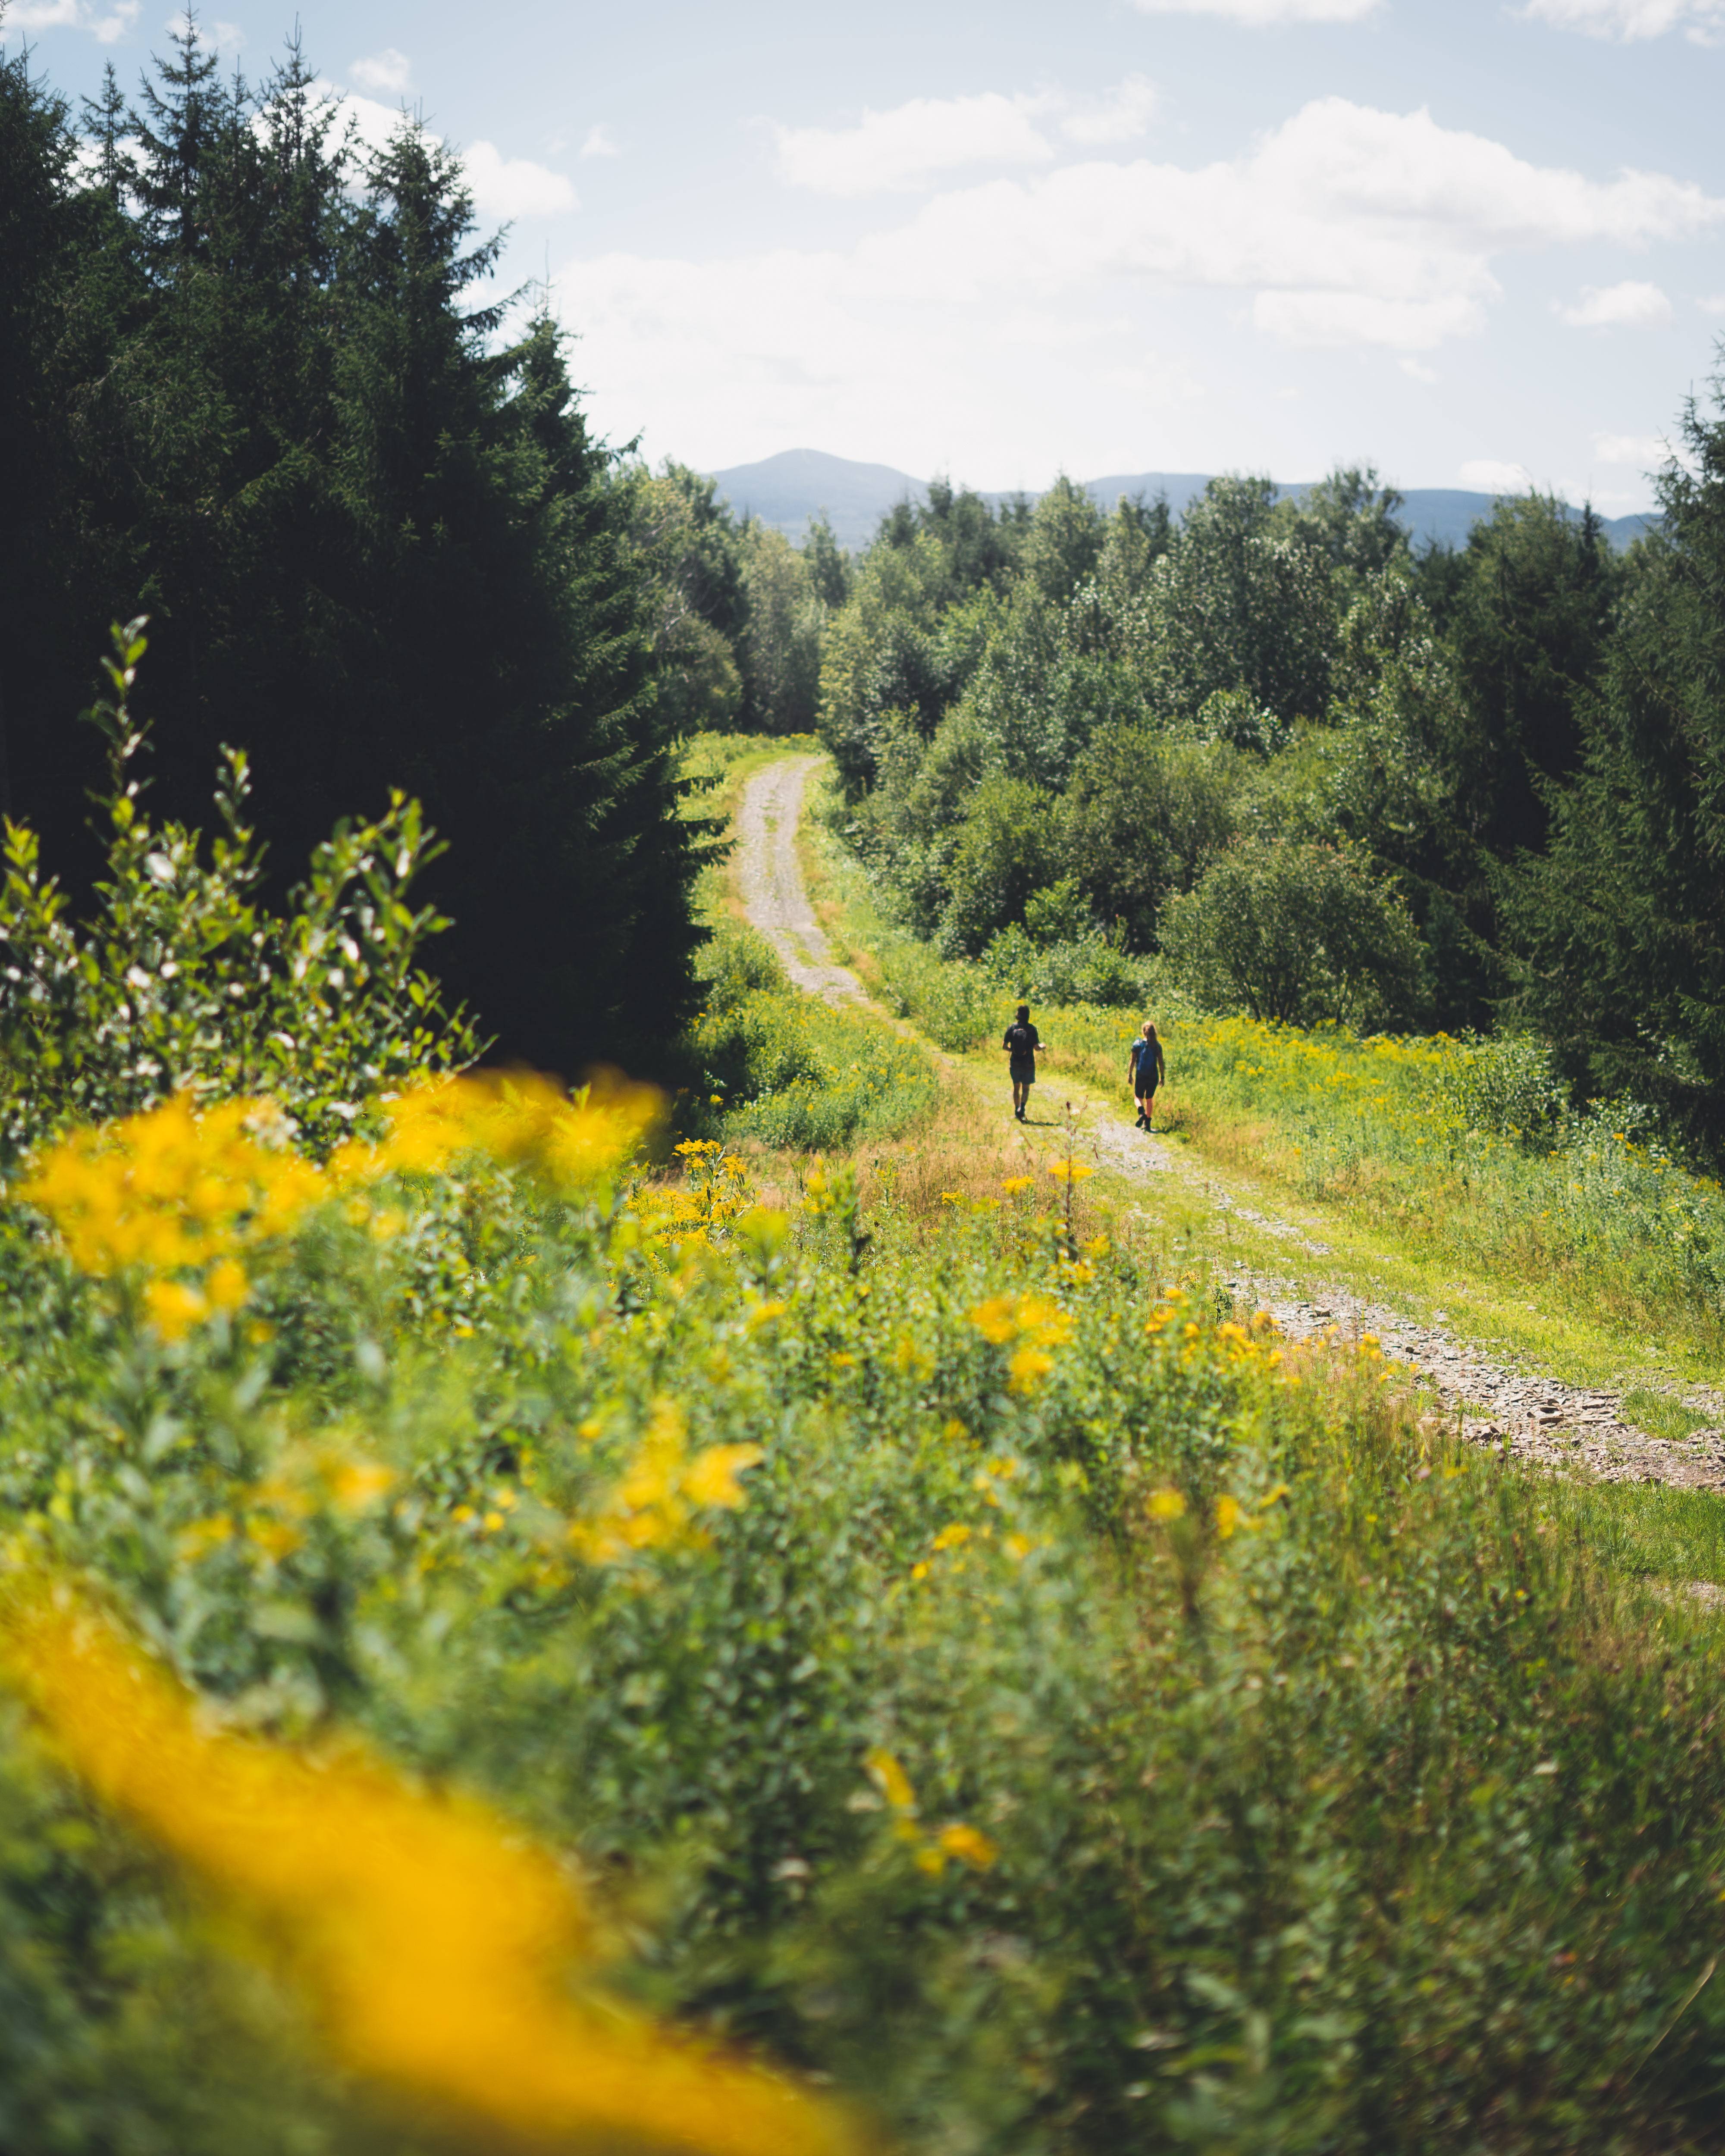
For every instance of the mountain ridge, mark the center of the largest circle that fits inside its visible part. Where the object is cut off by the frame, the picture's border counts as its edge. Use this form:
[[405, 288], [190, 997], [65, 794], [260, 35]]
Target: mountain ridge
[[787, 488]]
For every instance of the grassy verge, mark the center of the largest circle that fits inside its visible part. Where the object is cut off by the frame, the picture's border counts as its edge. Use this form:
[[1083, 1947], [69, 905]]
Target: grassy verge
[[1580, 1250], [778, 1069]]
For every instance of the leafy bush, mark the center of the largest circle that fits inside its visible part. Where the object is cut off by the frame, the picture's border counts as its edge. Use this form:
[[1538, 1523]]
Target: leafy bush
[[1297, 933], [1006, 848], [182, 982], [1509, 1085]]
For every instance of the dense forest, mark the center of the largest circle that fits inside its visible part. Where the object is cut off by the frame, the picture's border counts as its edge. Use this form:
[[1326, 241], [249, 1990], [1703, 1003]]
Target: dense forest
[[251, 391], [1307, 769]]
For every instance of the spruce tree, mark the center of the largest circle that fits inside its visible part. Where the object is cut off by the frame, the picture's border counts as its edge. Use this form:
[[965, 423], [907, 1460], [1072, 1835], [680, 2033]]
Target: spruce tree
[[1620, 930]]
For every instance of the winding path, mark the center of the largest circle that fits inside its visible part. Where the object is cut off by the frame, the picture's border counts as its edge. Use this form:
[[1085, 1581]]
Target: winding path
[[770, 879], [1537, 1419]]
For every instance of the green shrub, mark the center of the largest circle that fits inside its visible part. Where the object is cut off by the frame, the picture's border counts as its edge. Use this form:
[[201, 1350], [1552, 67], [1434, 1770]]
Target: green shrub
[[183, 981], [1295, 932], [788, 1071]]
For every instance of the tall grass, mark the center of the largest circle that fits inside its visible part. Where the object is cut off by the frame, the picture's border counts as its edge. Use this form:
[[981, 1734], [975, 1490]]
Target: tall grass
[[1465, 1148], [1420, 1136], [789, 1072]]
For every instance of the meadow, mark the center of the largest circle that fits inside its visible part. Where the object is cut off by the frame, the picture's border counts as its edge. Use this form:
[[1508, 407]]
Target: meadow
[[510, 1644]]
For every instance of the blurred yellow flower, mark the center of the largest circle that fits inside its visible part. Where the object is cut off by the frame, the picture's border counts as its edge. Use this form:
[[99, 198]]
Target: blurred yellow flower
[[663, 1485], [1027, 1369], [173, 1307], [968, 1846], [890, 1778], [1166, 1505], [433, 1937]]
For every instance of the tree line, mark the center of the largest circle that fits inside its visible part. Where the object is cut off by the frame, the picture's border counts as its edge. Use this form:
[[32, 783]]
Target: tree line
[[1303, 764], [252, 386]]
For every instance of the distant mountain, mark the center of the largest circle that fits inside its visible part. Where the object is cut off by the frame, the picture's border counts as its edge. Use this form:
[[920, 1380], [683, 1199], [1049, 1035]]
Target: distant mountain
[[787, 490]]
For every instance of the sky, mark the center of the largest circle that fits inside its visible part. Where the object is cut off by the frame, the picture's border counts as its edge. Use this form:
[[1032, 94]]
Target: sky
[[1479, 245]]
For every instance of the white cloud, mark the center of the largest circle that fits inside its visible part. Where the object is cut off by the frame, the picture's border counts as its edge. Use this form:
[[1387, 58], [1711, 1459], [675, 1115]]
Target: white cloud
[[388, 72], [913, 142], [599, 144], [1713, 305], [1627, 306], [1352, 226], [1415, 372], [29, 15], [514, 187], [1644, 451], [1257, 13], [1117, 117], [1487, 475], [1626, 21], [1344, 227]]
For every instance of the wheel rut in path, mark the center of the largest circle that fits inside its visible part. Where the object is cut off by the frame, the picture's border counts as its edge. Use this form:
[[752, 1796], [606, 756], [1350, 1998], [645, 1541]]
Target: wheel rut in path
[[770, 879], [1563, 1428]]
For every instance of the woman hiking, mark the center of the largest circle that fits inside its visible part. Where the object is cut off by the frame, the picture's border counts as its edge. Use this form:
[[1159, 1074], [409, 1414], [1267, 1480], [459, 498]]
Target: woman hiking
[[1145, 1070], [1021, 1041]]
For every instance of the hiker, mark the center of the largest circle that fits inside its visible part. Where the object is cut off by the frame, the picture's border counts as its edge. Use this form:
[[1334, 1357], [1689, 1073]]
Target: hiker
[[1146, 1068], [1021, 1041]]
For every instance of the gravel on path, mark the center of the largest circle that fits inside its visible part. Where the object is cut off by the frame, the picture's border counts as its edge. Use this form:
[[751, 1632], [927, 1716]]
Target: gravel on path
[[770, 880]]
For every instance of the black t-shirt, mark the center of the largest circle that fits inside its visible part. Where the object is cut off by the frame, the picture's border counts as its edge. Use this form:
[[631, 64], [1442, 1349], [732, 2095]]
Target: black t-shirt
[[1024, 1041]]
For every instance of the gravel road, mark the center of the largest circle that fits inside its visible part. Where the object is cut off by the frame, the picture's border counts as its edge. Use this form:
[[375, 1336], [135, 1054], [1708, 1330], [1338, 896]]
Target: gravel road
[[770, 879]]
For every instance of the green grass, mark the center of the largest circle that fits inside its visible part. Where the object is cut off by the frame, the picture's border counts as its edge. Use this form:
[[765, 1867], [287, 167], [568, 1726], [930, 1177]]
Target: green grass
[[1589, 1254], [1645, 1531], [1662, 1415], [1268, 1775]]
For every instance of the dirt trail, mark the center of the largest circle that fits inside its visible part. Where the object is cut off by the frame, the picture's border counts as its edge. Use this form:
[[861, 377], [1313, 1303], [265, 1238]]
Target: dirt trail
[[1558, 1426], [770, 879]]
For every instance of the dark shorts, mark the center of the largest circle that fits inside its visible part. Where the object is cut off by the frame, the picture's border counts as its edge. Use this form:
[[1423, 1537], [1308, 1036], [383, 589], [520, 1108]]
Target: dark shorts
[[1023, 1074]]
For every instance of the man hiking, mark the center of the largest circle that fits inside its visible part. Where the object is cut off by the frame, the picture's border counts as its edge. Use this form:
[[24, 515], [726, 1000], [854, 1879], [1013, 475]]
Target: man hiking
[[1145, 1070], [1021, 1041]]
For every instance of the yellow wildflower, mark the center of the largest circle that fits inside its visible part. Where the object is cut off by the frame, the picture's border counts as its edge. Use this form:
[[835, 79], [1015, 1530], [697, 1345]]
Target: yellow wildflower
[[1027, 1369], [173, 1307], [453, 1993], [890, 1778], [968, 1844], [1165, 1505], [994, 1320]]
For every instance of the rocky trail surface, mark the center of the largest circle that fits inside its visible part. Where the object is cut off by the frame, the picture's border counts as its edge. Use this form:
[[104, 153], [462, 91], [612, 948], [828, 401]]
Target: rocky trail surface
[[769, 879], [1564, 1428]]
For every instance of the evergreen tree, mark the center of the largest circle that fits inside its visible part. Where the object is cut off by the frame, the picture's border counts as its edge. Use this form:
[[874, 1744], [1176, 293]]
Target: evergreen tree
[[37, 235], [377, 544], [1621, 929], [1529, 627]]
